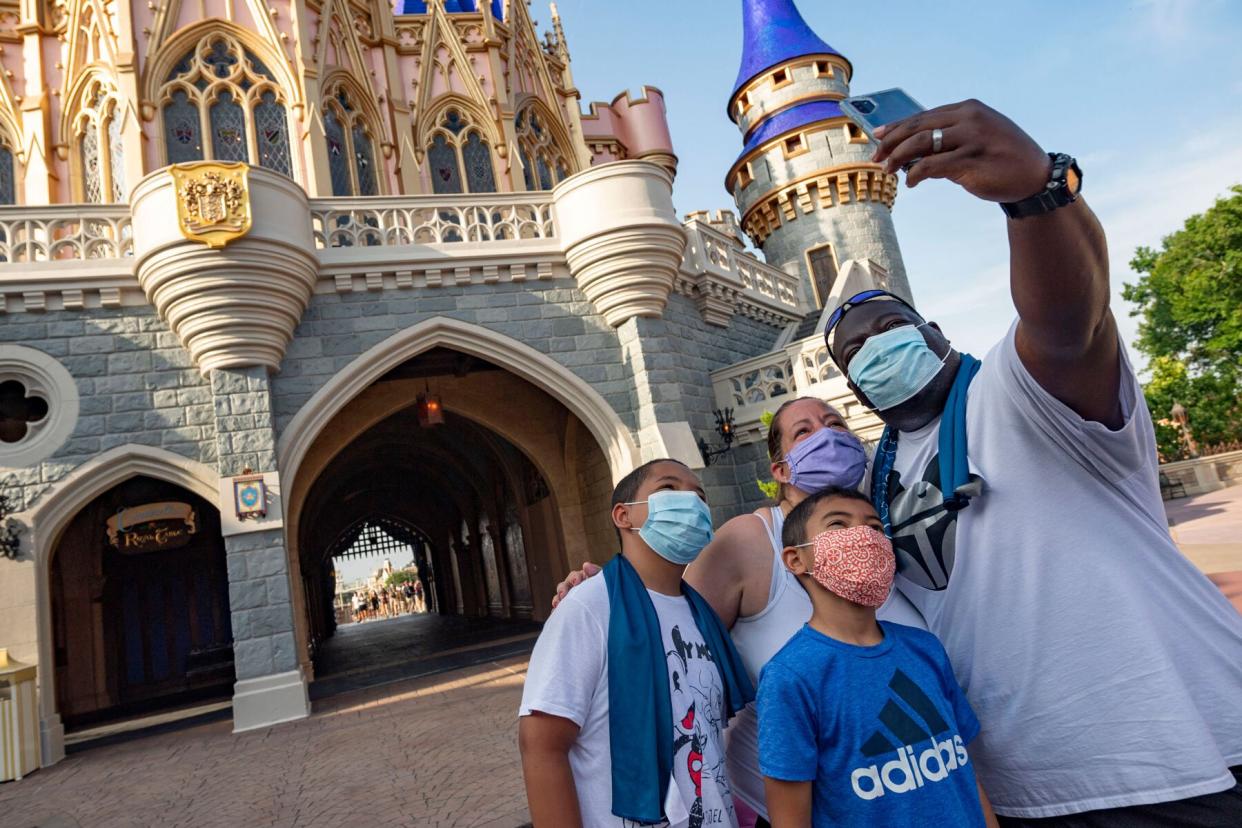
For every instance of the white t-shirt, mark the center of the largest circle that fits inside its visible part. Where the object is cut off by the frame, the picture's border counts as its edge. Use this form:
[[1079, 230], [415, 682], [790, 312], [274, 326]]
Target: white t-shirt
[[1105, 669], [568, 677]]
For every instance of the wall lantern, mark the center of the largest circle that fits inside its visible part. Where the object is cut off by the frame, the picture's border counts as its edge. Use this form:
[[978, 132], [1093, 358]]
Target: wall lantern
[[724, 427]]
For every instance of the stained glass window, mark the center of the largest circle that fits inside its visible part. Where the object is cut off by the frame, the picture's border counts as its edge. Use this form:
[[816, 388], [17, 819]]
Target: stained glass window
[[445, 175], [338, 162], [364, 160], [246, 109], [92, 186], [272, 130], [8, 189], [228, 130], [453, 121], [477, 157], [539, 153], [116, 153], [182, 130]]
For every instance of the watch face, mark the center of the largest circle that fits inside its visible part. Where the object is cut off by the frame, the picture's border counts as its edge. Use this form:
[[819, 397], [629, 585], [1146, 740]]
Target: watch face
[[1073, 182]]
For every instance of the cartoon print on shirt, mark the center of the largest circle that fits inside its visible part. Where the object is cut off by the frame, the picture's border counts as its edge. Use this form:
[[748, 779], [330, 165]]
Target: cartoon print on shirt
[[698, 708], [924, 532]]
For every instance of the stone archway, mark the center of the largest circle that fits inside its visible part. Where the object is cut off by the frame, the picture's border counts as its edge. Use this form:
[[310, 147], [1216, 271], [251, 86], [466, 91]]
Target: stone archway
[[47, 520], [513, 487]]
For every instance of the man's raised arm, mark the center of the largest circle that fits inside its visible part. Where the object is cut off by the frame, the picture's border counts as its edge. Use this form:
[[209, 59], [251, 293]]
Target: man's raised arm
[[1067, 337]]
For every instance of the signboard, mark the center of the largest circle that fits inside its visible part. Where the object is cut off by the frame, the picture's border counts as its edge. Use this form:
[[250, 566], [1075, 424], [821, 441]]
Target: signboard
[[152, 527], [250, 496]]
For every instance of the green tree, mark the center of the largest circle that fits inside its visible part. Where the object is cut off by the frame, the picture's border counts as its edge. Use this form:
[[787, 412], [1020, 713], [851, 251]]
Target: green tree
[[399, 577], [1189, 301]]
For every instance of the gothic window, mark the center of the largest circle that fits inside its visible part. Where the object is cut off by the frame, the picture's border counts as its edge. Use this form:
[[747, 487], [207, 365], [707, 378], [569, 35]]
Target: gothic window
[[460, 157], [221, 102], [8, 184], [351, 146], [543, 162], [823, 264], [97, 131]]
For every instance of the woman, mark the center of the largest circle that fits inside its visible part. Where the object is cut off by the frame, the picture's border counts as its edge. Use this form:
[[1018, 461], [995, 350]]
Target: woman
[[741, 575]]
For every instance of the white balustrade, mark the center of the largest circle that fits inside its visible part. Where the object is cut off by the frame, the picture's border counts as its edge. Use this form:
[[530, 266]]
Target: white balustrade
[[65, 232], [406, 220]]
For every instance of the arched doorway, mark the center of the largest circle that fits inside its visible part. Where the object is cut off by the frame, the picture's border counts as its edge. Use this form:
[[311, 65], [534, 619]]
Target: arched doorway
[[502, 496], [139, 605]]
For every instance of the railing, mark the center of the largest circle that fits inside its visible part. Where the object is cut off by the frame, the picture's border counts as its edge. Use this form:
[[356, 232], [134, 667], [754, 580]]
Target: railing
[[65, 232], [715, 253], [405, 220], [801, 369]]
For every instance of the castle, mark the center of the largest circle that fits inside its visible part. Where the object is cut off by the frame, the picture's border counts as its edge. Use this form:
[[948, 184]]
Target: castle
[[275, 276]]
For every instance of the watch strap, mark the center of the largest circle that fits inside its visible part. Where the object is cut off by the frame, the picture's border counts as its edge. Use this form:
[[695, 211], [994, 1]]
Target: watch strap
[[1056, 193]]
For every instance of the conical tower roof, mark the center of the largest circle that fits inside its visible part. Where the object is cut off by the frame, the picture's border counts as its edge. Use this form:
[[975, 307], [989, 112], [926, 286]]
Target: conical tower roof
[[774, 32]]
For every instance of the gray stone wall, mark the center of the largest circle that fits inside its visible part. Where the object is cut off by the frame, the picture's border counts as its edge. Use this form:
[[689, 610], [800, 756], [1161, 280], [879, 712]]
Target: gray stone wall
[[245, 432], [701, 349], [135, 382], [259, 605], [553, 317]]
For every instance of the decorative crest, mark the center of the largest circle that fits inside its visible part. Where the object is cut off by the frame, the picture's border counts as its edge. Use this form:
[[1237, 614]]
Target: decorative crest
[[213, 201]]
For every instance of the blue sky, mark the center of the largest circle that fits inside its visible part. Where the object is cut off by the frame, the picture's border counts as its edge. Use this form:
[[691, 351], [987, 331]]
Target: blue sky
[[1147, 94]]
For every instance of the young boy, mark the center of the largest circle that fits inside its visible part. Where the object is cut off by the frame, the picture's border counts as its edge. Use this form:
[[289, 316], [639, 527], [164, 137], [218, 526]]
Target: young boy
[[860, 722], [642, 639]]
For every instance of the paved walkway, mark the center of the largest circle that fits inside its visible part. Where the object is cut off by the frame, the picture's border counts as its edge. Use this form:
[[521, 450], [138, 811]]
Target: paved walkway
[[1208, 530], [437, 752]]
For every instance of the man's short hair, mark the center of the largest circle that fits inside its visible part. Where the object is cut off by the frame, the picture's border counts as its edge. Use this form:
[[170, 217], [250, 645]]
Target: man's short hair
[[627, 489], [794, 533]]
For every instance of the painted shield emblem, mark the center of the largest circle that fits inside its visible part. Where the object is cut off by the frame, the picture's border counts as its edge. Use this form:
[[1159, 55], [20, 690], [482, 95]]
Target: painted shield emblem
[[213, 201]]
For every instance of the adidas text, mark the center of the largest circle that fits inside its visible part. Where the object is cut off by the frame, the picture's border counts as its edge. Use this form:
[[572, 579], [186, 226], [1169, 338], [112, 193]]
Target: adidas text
[[906, 772]]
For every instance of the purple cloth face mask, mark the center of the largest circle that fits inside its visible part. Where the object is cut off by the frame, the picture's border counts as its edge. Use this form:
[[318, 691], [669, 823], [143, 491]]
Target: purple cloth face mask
[[827, 458]]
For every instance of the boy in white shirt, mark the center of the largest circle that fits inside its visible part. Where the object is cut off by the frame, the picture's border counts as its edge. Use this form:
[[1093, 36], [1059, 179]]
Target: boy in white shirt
[[642, 636]]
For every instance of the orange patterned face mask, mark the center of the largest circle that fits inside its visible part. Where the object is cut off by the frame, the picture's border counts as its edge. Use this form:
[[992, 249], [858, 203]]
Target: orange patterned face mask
[[856, 563]]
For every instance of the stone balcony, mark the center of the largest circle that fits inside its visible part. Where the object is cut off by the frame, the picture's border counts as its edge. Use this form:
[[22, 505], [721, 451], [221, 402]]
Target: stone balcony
[[81, 256], [799, 369]]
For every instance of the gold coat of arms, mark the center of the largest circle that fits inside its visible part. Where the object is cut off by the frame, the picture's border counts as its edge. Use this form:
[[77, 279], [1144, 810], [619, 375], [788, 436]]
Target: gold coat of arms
[[213, 201]]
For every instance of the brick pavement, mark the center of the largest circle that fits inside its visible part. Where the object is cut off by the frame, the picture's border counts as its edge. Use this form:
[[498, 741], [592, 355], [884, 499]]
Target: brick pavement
[[439, 752]]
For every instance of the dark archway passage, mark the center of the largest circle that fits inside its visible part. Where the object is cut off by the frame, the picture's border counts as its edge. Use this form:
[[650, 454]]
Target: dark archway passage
[[140, 610], [476, 514]]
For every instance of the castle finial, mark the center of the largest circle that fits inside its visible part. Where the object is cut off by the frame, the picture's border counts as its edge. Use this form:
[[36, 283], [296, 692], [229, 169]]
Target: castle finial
[[773, 32]]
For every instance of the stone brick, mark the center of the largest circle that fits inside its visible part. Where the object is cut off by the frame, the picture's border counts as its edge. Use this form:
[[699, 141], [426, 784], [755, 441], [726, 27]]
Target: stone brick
[[251, 657], [284, 652], [267, 561], [244, 595], [91, 345], [125, 423], [129, 363]]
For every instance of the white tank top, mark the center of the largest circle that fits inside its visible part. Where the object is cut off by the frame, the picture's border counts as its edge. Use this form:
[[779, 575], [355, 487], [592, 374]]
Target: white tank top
[[757, 638]]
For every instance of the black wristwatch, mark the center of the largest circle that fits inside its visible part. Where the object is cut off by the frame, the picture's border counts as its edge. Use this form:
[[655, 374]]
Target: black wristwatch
[[1064, 185]]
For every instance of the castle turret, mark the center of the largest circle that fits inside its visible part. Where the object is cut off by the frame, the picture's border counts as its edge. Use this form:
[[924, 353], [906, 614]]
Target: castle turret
[[809, 195]]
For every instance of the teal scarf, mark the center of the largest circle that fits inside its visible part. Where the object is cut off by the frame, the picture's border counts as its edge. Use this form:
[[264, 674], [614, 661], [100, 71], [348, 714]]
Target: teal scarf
[[640, 712]]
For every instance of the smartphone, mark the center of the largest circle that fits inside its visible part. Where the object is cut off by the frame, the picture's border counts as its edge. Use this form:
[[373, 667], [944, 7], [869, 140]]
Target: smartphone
[[880, 109]]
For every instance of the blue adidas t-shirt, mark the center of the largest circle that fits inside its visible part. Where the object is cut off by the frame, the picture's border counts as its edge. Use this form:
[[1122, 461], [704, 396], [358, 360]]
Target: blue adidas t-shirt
[[881, 731]]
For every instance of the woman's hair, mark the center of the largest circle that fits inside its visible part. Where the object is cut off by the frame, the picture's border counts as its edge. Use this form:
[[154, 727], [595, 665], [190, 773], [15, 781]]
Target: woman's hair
[[775, 435]]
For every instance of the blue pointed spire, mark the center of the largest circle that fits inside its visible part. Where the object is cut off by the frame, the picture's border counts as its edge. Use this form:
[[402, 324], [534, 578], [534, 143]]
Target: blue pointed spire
[[773, 32]]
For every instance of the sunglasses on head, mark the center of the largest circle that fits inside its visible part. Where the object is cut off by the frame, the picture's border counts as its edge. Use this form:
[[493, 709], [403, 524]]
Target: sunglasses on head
[[854, 301]]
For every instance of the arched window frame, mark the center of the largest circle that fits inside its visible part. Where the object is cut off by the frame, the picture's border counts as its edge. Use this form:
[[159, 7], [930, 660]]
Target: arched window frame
[[96, 108], [458, 141], [545, 163], [10, 170], [345, 106], [247, 82]]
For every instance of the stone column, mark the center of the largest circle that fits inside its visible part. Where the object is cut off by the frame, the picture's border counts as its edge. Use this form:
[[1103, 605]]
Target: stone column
[[270, 686], [663, 428]]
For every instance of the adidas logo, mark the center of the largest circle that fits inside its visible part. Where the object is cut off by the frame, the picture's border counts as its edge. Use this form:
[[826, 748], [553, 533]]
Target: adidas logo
[[902, 729]]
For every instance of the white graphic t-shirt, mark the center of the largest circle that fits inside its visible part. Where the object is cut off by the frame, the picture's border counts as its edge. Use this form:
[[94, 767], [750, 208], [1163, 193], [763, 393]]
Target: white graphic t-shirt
[[1105, 669], [568, 677]]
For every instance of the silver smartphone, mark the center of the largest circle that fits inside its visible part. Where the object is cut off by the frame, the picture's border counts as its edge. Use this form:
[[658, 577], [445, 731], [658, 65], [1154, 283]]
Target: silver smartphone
[[880, 109]]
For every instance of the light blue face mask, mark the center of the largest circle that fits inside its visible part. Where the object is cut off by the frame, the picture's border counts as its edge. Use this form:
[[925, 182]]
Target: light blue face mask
[[893, 366], [678, 525]]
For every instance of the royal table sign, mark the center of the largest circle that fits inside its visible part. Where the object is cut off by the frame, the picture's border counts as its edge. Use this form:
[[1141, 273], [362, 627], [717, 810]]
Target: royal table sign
[[152, 527], [250, 496]]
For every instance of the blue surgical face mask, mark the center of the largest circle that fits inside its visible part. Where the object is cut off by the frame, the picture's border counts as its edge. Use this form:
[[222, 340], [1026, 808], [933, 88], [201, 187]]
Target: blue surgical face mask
[[893, 366], [678, 525]]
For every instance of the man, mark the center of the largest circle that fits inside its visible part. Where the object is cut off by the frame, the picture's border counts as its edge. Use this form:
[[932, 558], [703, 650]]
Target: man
[[1028, 526]]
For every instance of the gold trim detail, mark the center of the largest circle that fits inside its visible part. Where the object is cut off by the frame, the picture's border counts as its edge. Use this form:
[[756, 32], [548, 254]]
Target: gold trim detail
[[213, 201]]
